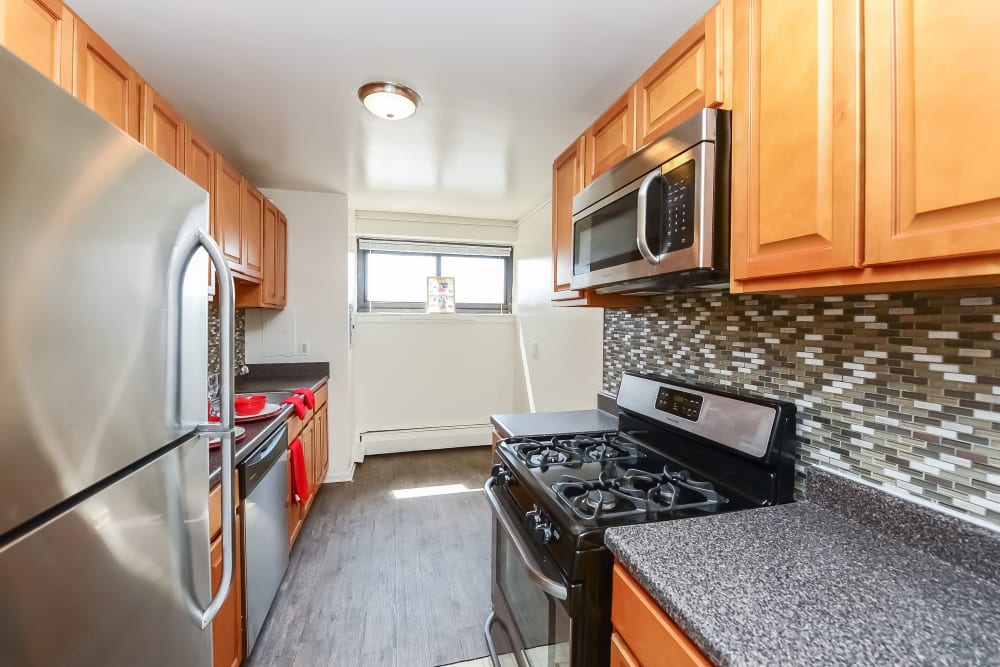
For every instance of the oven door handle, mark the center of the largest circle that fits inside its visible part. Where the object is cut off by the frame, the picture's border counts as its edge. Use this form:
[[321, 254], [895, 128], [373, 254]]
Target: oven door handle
[[641, 210], [549, 585]]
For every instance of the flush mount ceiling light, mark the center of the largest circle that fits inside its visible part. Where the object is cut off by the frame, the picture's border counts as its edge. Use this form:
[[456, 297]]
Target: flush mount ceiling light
[[388, 100]]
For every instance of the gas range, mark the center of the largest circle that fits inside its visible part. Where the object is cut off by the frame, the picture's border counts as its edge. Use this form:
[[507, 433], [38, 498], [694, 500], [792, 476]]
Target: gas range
[[681, 452]]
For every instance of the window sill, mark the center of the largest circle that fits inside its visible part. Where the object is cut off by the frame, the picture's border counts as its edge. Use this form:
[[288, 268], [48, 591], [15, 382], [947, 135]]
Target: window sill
[[437, 318]]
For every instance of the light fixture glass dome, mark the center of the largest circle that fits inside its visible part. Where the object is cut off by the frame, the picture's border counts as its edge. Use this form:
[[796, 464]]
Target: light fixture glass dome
[[388, 100]]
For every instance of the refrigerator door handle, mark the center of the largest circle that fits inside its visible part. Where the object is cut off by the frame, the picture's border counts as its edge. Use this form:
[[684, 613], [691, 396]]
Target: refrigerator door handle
[[224, 428]]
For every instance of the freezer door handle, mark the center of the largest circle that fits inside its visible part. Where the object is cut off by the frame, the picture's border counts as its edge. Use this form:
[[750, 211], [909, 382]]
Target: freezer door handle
[[224, 428]]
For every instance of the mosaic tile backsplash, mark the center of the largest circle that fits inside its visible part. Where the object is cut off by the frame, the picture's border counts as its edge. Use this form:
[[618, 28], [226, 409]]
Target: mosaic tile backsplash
[[902, 390], [240, 348]]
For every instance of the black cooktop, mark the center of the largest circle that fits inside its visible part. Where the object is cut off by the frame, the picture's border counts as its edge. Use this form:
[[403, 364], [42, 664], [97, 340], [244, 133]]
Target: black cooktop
[[593, 481]]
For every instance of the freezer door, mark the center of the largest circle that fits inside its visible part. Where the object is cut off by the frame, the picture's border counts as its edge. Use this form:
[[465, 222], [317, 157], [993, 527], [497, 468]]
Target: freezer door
[[89, 223], [117, 580]]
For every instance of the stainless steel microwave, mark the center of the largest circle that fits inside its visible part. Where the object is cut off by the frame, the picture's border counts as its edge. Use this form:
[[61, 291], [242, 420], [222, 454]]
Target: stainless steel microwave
[[658, 220]]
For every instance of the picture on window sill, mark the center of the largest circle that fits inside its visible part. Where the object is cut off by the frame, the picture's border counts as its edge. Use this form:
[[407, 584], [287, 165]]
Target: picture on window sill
[[440, 294]]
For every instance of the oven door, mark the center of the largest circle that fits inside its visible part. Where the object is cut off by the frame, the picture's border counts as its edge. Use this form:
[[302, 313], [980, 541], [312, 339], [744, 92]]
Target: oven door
[[531, 622]]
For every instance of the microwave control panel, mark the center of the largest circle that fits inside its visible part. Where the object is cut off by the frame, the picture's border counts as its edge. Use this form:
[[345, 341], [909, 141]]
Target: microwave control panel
[[679, 403]]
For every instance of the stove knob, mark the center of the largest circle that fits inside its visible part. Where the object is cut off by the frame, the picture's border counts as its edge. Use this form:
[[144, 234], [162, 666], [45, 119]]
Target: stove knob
[[544, 533], [500, 473], [541, 529]]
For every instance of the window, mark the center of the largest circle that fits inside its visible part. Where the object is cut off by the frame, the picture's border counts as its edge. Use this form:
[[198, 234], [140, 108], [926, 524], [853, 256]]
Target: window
[[392, 275]]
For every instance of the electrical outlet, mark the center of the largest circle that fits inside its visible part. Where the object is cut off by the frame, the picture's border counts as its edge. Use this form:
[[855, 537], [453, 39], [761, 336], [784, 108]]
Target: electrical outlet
[[304, 348]]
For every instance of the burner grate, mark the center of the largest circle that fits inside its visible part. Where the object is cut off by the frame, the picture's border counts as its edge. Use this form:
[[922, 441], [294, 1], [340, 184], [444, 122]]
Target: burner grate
[[636, 492]]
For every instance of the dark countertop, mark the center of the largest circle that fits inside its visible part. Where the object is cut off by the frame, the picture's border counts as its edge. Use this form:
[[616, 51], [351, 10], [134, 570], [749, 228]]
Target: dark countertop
[[258, 432], [540, 424], [853, 576]]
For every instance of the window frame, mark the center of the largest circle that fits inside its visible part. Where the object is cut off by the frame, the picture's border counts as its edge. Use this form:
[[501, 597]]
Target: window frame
[[367, 306]]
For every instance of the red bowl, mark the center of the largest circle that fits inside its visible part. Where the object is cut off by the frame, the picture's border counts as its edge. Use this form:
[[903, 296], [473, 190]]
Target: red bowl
[[249, 405]]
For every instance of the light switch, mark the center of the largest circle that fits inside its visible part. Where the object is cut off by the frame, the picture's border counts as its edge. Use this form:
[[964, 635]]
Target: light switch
[[533, 349]]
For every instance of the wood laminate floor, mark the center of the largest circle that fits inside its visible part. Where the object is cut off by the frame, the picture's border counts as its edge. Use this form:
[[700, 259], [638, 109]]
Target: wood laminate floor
[[376, 581]]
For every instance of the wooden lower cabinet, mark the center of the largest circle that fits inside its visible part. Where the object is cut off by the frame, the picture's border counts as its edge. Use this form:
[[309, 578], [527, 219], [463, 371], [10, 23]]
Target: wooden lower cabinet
[[40, 32], [313, 431], [227, 626], [620, 655], [495, 439], [644, 634]]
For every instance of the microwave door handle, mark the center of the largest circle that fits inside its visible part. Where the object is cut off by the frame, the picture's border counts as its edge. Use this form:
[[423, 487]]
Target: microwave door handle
[[547, 584], [640, 233]]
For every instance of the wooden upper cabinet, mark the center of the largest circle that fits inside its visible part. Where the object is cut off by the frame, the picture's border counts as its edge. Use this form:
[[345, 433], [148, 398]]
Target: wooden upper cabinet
[[567, 181], [932, 189], [162, 129], [611, 138], [281, 256], [40, 32], [199, 166], [228, 198], [252, 229], [694, 73], [104, 81], [797, 163]]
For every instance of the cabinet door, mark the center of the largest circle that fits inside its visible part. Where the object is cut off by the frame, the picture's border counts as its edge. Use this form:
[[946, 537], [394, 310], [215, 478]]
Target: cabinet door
[[796, 192], [40, 32], [104, 81], [931, 100], [199, 166], [691, 75], [567, 181], [252, 230], [228, 197], [271, 268], [323, 444], [611, 138], [162, 129], [294, 512], [227, 626], [309, 449], [620, 655], [281, 256]]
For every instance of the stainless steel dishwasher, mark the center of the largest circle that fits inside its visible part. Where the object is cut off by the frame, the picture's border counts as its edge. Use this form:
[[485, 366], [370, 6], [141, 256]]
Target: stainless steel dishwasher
[[264, 487]]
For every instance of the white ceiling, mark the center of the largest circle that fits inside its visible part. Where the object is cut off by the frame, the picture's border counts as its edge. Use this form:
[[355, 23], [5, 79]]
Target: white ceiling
[[505, 87]]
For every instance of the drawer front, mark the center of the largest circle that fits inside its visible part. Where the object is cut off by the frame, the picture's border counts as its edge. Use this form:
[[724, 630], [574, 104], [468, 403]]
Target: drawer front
[[654, 639], [321, 395], [620, 655]]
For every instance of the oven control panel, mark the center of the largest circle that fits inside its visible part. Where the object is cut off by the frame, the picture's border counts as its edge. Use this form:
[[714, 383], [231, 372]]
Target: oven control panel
[[679, 403]]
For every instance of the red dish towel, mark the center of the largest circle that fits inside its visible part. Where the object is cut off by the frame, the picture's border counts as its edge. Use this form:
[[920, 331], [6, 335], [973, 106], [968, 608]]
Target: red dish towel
[[300, 478], [307, 396], [300, 407]]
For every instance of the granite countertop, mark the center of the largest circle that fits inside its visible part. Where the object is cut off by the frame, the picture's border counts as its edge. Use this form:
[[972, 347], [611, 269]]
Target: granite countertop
[[541, 424], [258, 432], [853, 576]]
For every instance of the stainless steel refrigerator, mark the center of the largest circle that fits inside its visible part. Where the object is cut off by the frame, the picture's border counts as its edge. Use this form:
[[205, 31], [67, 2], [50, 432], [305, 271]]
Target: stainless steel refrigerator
[[104, 544]]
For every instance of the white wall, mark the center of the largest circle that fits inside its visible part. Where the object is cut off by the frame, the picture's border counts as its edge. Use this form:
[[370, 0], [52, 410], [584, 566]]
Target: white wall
[[316, 314], [559, 349], [429, 381]]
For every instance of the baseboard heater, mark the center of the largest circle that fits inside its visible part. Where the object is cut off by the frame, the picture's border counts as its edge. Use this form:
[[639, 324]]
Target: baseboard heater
[[395, 441]]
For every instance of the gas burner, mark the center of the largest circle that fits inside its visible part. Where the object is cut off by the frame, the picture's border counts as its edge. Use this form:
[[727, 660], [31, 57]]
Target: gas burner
[[536, 454], [636, 492], [601, 448], [670, 490], [598, 498]]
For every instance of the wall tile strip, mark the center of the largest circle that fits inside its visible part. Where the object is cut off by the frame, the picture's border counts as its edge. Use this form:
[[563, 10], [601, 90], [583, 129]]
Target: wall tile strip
[[214, 324], [902, 390]]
